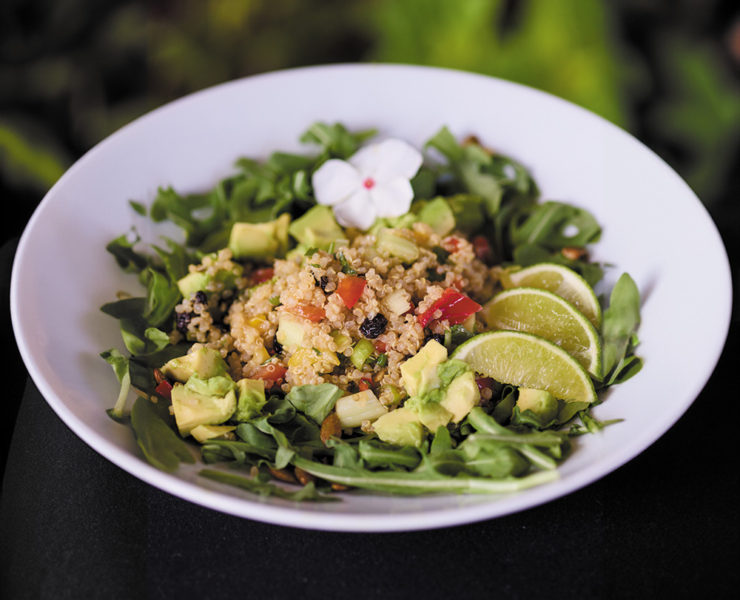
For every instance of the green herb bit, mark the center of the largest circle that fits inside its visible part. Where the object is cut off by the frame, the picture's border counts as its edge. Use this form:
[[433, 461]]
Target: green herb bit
[[311, 251], [346, 267], [382, 360], [274, 300], [441, 254]]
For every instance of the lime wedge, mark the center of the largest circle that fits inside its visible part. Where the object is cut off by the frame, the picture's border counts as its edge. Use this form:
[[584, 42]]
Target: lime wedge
[[547, 315], [559, 280], [526, 360]]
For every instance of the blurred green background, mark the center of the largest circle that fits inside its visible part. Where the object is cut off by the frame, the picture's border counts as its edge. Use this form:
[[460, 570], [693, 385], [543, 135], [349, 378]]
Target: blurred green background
[[73, 71]]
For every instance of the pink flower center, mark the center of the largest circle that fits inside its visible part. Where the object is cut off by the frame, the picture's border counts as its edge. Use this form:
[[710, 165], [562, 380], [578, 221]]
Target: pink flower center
[[369, 183]]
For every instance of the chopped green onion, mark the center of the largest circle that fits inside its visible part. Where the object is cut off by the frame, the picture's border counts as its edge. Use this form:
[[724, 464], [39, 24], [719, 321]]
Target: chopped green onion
[[361, 352]]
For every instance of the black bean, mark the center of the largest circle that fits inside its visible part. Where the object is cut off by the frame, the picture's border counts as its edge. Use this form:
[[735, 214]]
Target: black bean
[[323, 282], [373, 327], [277, 345], [435, 336], [200, 297], [182, 320]]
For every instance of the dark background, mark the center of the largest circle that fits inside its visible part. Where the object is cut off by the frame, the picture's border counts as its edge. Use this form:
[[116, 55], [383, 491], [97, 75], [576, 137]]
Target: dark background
[[72, 524]]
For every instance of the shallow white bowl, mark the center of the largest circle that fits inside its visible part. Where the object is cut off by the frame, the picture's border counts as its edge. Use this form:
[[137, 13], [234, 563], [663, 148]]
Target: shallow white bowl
[[654, 227]]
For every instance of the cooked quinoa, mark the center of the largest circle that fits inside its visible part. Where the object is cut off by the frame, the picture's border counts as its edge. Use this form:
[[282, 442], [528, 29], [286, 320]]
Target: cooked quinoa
[[243, 323]]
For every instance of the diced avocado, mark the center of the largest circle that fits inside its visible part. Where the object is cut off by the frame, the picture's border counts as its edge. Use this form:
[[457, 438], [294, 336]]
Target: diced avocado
[[461, 396], [541, 402], [193, 408], [250, 394], [318, 228], [200, 281], [401, 427], [363, 406], [392, 244], [192, 283], [438, 215], [260, 240], [419, 373], [433, 415], [201, 360], [203, 433], [291, 331]]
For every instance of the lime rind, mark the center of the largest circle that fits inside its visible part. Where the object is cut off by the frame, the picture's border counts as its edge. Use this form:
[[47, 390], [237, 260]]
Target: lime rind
[[545, 314], [527, 360], [559, 280]]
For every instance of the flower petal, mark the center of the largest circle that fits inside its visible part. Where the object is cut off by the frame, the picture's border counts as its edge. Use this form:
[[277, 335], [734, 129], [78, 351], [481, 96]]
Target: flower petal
[[392, 198], [335, 181], [356, 211], [387, 159]]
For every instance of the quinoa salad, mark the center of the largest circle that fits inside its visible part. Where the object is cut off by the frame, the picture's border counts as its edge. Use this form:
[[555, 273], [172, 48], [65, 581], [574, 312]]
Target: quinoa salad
[[368, 316]]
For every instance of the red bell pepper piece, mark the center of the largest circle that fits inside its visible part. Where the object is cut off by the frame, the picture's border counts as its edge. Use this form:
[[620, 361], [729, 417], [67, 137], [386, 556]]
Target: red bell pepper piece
[[454, 307], [164, 389], [350, 289], [263, 274]]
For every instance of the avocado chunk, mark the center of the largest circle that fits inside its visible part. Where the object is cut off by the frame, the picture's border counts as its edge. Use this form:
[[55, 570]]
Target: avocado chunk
[[202, 402], [201, 281], [357, 408], [461, 396], [419, 373], [438, 215], [260, 240], [250, 394], [392, 244], [318, 228], [202, 361], [433, 415], [203, 433], [192, 283], [401, 427], [541, 402]]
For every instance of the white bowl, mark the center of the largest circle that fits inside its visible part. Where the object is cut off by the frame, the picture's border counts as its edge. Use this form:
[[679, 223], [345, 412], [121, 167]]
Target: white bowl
[[654, 228]]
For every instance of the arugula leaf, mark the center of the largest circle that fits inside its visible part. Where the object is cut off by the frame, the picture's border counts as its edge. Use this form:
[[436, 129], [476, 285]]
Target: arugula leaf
[[265, 488], [620, 322], [549, 225], [315, 401], [376, 455], [335, 140], [421, 480], [122, 249], [161, 446]]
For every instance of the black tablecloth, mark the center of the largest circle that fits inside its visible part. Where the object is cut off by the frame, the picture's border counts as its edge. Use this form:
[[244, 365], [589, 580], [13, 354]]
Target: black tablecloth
[[666, 524]]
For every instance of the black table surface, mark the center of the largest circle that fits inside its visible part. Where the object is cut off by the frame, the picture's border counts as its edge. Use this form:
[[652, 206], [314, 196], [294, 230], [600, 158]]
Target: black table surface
[[73, 525]]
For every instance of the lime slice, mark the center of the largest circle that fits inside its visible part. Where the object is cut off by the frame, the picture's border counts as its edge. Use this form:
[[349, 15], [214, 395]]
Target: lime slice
[[547, 315], [526, 360], [559, 280]]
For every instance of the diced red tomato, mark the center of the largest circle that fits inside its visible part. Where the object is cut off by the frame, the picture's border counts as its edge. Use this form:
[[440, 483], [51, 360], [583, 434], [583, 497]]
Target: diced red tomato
[[380, 346], [271, 373], [164, 389], [454, 307], [263, 274], [364, 384], [482, 248], [350, 289], [451, 243], [307, 311]]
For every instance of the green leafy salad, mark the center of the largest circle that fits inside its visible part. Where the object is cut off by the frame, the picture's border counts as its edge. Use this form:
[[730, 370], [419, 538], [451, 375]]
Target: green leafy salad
[[368, 316]]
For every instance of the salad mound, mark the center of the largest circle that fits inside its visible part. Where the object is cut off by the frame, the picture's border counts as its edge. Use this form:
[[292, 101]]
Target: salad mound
[[328, 321]]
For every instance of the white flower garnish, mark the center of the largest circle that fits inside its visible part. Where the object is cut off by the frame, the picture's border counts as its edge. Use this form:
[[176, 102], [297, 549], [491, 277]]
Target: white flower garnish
[[374, 182]]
